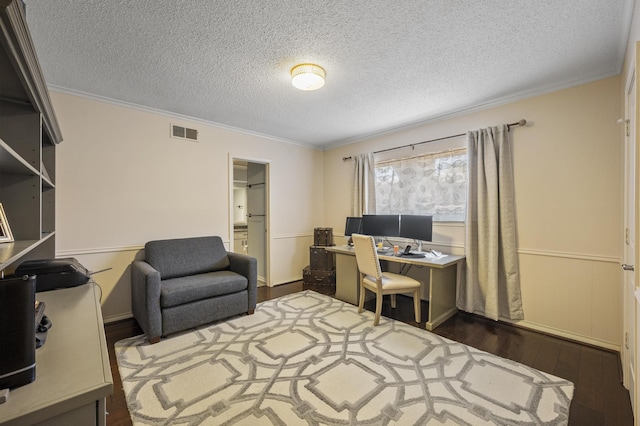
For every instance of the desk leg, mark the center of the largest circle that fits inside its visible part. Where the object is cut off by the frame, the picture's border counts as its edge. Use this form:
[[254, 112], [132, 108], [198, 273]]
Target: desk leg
[[347, 278], [442, 295], [101, 407]]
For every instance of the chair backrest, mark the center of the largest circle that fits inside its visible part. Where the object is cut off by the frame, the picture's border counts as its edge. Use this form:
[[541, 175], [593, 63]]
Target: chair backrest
[[186, 256], [367, 256]]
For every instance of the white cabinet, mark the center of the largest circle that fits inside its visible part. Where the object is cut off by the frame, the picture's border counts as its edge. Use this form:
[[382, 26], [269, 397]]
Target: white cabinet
[[240, 242]]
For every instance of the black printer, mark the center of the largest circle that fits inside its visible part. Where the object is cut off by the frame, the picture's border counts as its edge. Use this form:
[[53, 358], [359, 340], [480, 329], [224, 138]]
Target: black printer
[[54, 273]]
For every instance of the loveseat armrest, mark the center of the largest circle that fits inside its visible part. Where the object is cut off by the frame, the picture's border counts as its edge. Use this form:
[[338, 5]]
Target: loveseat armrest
[[246, 266], [145, 299]]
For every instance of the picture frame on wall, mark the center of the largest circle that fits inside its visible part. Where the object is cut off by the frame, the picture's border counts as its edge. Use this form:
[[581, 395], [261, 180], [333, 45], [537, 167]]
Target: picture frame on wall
[[5, 230]]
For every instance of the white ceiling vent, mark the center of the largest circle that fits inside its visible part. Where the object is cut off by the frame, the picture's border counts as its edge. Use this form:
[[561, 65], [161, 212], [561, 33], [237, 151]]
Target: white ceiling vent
[[184, 133]]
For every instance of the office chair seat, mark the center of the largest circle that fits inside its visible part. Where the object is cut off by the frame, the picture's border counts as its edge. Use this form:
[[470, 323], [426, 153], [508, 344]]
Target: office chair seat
[[381, 283], [391, 281]]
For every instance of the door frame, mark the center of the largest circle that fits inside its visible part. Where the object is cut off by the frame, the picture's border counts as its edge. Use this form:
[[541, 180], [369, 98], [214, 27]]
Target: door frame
[[632, 78], [631, 301], [627, 353], [267, 195]]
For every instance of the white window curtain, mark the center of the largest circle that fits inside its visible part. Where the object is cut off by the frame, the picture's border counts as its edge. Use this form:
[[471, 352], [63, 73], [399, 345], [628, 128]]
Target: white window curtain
[[492, 286], [432, 184], [364, 192]]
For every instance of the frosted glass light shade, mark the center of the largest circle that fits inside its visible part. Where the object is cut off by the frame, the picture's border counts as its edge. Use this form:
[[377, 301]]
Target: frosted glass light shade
[[307, 76]]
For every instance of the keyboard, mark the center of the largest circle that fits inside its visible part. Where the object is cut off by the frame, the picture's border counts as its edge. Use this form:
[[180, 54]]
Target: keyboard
[[413, 255]]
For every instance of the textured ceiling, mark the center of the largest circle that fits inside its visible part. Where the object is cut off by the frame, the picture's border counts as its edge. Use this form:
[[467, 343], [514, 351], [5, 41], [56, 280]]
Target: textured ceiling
[[388, 63]]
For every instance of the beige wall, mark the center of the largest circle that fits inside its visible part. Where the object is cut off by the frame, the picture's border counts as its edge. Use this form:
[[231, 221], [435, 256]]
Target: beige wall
[[568, 179], [122, 181]]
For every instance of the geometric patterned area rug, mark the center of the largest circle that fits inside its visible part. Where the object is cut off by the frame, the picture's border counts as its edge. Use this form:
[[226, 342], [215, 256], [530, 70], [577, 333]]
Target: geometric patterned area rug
[[309, 359]]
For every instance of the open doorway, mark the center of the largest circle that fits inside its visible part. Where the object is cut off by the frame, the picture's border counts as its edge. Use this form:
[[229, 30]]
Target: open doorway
[[249, 212]]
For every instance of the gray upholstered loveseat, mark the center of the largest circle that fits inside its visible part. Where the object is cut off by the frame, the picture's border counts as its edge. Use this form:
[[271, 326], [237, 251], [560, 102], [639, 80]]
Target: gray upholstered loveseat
[[184, 283]]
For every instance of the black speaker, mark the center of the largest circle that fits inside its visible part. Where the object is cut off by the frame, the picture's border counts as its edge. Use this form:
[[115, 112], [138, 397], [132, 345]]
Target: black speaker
[[17, 331]]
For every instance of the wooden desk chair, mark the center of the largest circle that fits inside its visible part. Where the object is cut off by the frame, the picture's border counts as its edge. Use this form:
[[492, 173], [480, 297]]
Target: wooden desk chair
[[381, 283]]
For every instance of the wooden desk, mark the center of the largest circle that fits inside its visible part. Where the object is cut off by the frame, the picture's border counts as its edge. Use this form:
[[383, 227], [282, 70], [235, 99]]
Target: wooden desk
[[442, 280], [73, 375]]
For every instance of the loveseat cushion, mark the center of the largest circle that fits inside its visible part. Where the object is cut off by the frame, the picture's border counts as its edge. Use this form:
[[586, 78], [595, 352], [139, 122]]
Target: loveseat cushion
[[186, 256], [178, 291]]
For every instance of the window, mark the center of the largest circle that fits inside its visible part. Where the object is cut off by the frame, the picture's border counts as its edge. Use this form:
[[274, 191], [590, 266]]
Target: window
[[432, 184]]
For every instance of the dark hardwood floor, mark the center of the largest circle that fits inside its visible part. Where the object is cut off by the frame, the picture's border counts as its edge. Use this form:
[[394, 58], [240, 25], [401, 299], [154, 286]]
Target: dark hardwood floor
[[599, 397]]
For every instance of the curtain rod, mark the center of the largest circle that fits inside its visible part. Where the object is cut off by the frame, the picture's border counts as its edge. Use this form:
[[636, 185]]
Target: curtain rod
[[510, 125]]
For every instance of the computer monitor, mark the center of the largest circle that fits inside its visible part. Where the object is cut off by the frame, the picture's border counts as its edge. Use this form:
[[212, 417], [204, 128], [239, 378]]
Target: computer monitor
[[353, 226], [381, 225], [417, 227]]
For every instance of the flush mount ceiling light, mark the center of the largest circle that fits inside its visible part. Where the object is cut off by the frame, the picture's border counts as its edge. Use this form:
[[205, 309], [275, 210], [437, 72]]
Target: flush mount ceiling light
[[307, 76]]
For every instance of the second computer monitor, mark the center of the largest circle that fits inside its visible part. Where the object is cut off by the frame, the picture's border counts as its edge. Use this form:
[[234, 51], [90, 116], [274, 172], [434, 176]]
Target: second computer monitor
[[353, 226], [381, 225], [417, 227]]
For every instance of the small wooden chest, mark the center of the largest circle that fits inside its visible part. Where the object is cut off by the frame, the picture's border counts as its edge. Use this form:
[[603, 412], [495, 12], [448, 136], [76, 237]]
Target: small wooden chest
[[321, 259], [312, 277], [323, 237]]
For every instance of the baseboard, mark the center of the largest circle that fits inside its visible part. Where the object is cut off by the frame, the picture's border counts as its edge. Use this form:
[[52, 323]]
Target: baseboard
[[564, 334], [116, 318], [286, 280]]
